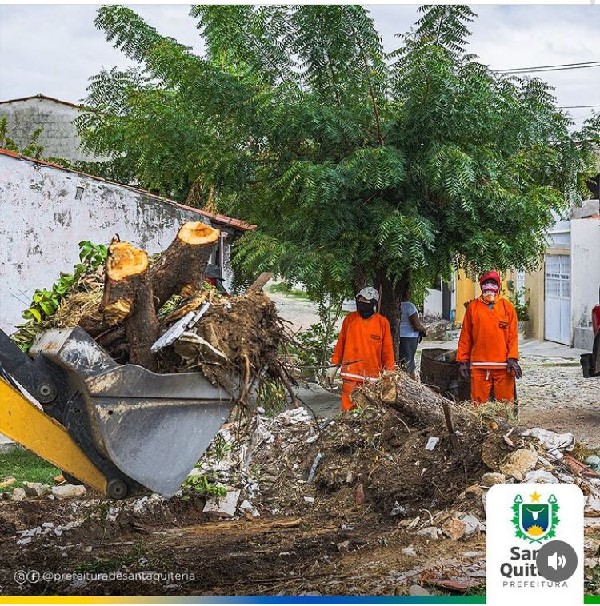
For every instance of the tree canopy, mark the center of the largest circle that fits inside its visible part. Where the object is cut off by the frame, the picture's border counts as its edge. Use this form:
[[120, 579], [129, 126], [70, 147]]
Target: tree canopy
[[357, 166]]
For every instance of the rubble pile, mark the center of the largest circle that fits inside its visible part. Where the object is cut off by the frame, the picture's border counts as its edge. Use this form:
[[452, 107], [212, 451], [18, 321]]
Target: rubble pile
[[369, 456], [395, 460]]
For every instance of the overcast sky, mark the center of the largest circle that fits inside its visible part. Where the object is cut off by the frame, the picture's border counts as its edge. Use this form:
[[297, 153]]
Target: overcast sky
[[55, 49]]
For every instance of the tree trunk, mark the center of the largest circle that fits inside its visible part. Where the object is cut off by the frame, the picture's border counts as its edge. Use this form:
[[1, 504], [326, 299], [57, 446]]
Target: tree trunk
[[125, 267], [180, 268], [133, 292], [418, 403], [260, 282], [391, 297], [359, 278], [128, 298], [142, 326], [421, 406]]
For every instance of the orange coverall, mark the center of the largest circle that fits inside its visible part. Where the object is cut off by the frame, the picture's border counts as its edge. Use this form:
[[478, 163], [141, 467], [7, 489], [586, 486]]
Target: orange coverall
[[368, 341], [487, 339]]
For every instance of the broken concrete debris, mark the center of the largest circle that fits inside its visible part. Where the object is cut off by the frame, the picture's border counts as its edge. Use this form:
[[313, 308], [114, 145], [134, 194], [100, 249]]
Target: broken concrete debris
[[18, 494], [397, 510], [540, 476], [454, 528], [553, 442], [519, 463], [223, 506], [491, 478], [68, 491], [431, 532], [417, 590], [36, 489], [431, 443], [592, 506]]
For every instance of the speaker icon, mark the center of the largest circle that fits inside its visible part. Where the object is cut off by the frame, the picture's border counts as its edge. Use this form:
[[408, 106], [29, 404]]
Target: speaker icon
[[557, 561]]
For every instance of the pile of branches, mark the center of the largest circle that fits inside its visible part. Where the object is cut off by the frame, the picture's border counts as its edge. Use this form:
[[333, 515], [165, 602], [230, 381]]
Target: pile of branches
[[131, 302]]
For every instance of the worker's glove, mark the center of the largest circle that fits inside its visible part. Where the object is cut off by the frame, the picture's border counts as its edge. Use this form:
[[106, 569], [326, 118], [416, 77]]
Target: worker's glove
[[512, 366], [463, 370], [422, 335], [330, 375]]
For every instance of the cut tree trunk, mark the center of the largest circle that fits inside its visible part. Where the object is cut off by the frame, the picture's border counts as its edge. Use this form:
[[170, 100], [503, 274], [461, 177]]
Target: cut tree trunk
[[421, 406], [125, 267], [128, 298], [180, 268], [142, 326]]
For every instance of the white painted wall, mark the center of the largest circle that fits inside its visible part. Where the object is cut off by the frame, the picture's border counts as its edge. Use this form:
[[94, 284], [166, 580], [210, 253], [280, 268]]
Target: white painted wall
[[432, 306], [59, 135], [559, 235], [585, 270], [42, 220]]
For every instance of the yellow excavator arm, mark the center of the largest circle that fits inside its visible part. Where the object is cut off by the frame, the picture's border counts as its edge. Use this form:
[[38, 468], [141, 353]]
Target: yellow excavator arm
[[25, 423], [120, 429]]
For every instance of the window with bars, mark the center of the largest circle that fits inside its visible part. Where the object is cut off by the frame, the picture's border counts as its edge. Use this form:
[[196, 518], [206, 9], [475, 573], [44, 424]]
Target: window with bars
[[558, 276]]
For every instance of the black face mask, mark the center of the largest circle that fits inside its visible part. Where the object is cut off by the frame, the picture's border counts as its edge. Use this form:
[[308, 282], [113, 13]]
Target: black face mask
[[365, 310]]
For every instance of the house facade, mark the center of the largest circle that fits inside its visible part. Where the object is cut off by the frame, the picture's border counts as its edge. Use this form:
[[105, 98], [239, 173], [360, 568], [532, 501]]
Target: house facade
[[59, 135], [561, 293], [46, 210], [564, 290]]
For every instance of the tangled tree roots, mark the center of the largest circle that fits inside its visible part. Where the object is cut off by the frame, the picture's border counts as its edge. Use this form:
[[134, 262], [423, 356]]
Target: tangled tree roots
[[235, 344]]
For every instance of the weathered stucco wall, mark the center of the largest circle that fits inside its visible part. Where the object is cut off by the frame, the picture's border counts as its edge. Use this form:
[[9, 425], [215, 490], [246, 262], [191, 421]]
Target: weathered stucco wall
[[59, 135], [45, 212]]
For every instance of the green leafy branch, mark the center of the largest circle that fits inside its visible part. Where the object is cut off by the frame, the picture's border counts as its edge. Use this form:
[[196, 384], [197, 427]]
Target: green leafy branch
[[46, 302], [203, 485]]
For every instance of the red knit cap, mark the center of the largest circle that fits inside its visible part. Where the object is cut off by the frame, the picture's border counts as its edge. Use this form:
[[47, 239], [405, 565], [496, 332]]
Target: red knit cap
[[490, 275]]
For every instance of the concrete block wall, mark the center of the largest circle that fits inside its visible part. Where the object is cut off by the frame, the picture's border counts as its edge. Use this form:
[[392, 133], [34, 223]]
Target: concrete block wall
[[59, 135], [585, 277]]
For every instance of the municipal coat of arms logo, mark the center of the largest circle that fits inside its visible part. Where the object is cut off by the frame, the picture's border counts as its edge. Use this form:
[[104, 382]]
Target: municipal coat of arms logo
[[534, 520]]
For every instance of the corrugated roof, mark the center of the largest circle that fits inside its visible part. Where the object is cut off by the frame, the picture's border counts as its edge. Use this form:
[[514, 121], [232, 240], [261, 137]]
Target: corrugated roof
[[214, 217]]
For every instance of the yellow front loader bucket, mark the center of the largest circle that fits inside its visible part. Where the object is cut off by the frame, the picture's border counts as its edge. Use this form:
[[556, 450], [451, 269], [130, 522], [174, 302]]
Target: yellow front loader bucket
[[119, 428]]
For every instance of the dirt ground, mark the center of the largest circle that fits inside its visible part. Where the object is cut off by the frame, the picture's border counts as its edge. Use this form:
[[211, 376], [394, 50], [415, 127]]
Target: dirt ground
[[181, 552], [320, 538], [554, 394]]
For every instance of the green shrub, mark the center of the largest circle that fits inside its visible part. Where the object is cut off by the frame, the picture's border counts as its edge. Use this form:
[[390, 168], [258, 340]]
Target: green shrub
[[521, 304]]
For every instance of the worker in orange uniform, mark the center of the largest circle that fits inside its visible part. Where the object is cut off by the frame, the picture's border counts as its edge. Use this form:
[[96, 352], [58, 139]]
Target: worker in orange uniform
[[364, 347], [488, 349]]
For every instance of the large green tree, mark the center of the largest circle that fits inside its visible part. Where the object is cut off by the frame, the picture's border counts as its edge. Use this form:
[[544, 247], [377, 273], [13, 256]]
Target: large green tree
[[357, 167]]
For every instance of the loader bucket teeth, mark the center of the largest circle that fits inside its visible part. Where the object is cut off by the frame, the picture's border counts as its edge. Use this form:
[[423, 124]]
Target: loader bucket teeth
[[152, 427]]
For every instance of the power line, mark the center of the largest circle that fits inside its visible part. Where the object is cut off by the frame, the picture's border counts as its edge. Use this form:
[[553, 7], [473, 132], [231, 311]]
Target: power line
[[549, 68], [553, 65]]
